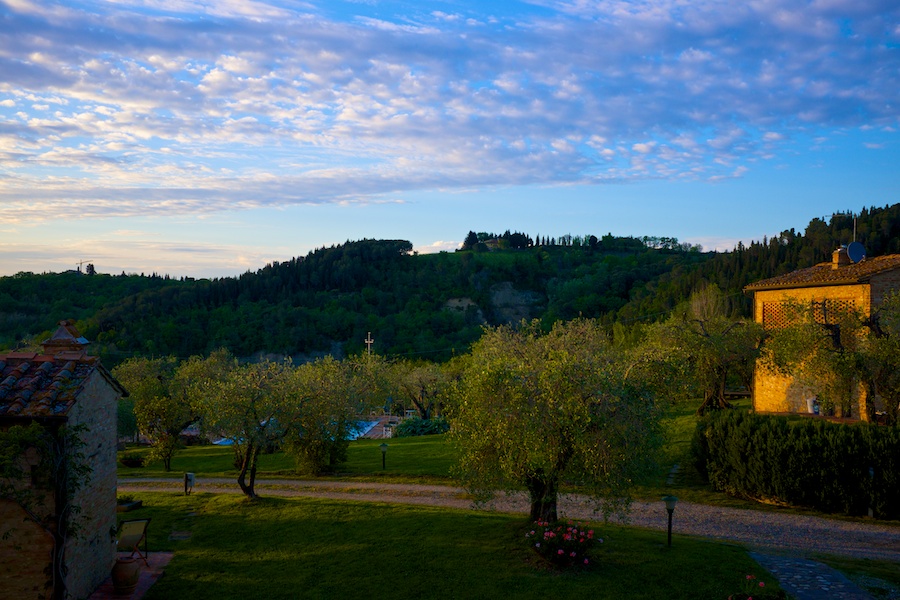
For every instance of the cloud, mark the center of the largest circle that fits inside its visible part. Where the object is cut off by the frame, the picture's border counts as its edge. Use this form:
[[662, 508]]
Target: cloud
[[190, 107]]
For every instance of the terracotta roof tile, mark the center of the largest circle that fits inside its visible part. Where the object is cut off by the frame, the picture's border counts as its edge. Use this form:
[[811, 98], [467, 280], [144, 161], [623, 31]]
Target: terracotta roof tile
[[824, 274], [33, 385]]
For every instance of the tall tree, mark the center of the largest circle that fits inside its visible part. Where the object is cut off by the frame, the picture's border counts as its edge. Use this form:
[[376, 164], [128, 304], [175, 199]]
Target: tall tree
[[708, 345], [535, 409], [324, 400], [251, 404], [162, 407], [421, 384]]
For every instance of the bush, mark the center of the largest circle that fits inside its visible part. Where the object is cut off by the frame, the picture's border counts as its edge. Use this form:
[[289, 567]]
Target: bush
[[837, 468], [132, 460], [562, 544], [415, 426]]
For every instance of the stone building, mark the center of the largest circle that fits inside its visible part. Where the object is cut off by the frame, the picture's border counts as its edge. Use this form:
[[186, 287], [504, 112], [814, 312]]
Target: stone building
[[62, 386], [834, 287]]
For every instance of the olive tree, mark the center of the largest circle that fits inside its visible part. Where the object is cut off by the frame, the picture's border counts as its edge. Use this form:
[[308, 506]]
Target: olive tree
[[821, 356], [834, 353], [162, 407], [421, 384], [704, 344], [535, 409], [253, 404], [880, 356], [325, 397]]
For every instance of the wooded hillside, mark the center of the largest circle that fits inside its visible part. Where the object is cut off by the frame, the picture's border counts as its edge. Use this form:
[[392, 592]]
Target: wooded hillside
[[428, 306]]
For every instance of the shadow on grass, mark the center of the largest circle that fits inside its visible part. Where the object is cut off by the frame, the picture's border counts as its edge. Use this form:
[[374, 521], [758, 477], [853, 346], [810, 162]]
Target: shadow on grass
[[313, 548]]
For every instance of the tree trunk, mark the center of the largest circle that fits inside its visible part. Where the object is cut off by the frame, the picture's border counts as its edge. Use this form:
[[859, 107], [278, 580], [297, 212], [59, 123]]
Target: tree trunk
[[714, 398], [248, 464], [543, 495]]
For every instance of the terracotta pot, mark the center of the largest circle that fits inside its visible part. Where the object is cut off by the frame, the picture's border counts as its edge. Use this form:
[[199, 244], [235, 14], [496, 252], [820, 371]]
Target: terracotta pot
[[125, 575]]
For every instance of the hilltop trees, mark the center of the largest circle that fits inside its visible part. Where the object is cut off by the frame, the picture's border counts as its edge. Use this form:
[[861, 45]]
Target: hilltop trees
[[535, 409]]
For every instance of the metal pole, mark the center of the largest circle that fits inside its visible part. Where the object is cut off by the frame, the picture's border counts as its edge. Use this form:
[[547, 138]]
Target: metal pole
[[670, 527], [383, 454]]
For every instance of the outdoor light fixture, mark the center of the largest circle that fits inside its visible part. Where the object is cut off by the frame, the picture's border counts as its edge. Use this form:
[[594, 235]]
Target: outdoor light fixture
[[384, 448], [670, 508]]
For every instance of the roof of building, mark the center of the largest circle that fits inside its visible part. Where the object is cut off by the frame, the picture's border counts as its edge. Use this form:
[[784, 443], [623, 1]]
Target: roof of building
[[48, 384], [825, 274], [33, 385]]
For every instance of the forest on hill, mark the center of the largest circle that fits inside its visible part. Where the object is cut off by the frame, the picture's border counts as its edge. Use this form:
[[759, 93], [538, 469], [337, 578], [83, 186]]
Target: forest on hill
[[428, 306]]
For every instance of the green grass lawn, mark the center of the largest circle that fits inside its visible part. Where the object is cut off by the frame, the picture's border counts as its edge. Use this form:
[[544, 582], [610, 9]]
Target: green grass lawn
[[312, 548], [322, 549], [420, 459]]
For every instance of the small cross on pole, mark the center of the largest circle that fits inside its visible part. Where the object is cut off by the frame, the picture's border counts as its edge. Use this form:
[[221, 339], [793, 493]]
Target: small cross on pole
[[369, 342]]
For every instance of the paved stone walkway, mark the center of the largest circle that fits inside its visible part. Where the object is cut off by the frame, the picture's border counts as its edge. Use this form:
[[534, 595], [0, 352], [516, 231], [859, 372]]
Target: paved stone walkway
[[806, 579]]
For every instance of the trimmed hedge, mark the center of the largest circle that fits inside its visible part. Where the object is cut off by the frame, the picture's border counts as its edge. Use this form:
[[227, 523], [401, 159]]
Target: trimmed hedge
[[415, 426], [836, 468]]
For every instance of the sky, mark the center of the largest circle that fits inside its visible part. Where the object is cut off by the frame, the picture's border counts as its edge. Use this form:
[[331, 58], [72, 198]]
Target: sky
[[209, 138]]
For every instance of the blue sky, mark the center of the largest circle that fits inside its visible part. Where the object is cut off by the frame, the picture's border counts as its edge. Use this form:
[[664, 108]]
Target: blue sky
[[210, 138]]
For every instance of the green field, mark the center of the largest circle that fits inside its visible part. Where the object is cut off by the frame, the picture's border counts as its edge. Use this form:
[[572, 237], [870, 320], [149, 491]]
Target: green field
[[311, 548], [419, 459]]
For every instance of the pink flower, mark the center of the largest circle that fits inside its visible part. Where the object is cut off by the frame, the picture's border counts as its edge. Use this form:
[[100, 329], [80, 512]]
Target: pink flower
[[559, 551], [572, 554], [585, 561], [762, 584]]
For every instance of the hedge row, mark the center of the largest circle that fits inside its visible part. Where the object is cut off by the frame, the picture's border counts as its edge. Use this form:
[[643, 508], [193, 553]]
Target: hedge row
[[837, 468], [416, 426]]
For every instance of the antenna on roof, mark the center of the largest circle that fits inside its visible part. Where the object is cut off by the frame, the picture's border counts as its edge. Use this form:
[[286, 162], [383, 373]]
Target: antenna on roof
[[855, 250], [847, 214]]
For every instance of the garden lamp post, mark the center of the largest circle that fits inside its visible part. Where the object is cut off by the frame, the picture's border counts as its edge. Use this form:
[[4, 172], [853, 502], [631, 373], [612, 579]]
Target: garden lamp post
[[384, 448], [670, 508]]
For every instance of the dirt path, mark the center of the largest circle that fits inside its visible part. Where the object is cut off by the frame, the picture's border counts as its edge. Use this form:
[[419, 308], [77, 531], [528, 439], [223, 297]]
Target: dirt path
[[769, 531]]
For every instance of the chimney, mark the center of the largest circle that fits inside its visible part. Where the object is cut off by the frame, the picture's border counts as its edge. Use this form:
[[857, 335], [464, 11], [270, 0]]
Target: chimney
[[66, 340], [840, 258]]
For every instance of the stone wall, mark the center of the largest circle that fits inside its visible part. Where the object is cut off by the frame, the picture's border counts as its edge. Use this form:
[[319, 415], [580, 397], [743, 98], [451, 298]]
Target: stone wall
[[773, 392], [27, 551], [92, 553]]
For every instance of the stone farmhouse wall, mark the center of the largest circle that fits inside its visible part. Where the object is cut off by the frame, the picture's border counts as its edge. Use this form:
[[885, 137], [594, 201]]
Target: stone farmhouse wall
[[26, 548], [773, 392], [92, 554]]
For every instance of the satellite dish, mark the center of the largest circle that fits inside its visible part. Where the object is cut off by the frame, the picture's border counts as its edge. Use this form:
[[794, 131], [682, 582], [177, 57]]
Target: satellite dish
[[856, 252]]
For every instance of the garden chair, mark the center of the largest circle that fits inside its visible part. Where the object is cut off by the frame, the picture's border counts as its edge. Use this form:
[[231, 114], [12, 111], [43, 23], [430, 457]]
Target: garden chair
[[131, 534]]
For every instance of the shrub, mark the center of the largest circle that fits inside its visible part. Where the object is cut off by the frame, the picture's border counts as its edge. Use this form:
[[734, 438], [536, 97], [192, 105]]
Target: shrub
[[415, 426], [562, 544], [132, 460], [838, 468]]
